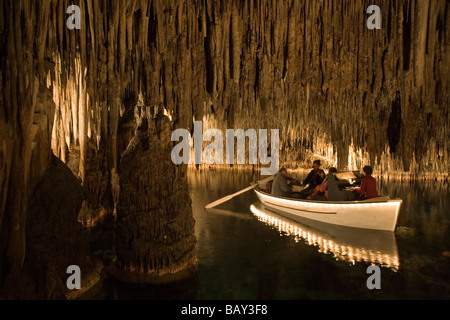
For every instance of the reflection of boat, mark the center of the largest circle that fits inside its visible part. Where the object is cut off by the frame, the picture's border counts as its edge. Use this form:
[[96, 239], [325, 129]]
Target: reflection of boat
[[379, 213], [346, 244]]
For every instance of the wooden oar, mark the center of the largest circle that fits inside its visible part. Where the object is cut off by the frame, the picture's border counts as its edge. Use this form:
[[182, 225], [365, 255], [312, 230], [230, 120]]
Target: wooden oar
[[231, 196]]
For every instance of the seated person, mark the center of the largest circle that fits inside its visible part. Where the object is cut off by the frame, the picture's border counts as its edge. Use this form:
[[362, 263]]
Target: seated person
[[280, 186], [331, 190], [334, 193], [313, 179], [322, 195], [368, 189], [321, 176]]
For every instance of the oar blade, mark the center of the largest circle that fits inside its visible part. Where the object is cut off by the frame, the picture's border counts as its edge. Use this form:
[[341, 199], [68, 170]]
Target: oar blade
[[231, 196]]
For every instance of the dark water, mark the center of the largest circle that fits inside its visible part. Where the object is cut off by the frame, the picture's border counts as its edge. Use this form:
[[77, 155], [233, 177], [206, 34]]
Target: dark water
[[247, 252]]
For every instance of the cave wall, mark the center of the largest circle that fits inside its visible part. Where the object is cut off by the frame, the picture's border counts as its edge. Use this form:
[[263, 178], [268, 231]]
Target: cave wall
[[26, 116], [336, 90]]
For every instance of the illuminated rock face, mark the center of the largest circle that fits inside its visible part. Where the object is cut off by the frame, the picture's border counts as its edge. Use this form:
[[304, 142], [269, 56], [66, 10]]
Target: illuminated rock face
[[335, 89]]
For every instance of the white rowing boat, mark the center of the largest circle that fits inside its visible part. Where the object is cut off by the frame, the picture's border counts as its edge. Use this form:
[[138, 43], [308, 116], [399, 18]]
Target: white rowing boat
[[378, 213]]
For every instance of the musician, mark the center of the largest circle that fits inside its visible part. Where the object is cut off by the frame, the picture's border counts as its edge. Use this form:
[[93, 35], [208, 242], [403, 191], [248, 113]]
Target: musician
[[313, 180]]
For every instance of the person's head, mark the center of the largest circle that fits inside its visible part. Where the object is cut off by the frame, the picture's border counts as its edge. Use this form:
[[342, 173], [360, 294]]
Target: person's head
[[332, 170], [283, 171], [322, 173], [316, 164], [368, 170]]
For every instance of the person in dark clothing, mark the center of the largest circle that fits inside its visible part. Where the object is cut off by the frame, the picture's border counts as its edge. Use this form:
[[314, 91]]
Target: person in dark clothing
[[322, 195], [313, 179], [310, 178], [321, 176]]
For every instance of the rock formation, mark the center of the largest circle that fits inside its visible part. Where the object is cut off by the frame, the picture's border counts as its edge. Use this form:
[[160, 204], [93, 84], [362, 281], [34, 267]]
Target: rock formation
[[336, 90], [155, 228], [53, 235]]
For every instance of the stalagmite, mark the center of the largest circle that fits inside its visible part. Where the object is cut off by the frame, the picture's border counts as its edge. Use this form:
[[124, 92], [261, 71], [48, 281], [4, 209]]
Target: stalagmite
[[154, 215]]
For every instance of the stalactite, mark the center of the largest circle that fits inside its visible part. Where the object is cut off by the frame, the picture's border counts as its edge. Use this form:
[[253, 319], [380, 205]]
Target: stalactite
[[342, 81]]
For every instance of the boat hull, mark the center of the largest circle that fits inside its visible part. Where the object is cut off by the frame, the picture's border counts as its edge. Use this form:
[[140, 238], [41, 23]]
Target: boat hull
[[375, 214]]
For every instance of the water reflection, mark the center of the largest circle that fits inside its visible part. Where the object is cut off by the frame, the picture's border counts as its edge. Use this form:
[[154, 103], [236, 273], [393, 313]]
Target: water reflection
[[424, 209], [241, 258], [346, 244]]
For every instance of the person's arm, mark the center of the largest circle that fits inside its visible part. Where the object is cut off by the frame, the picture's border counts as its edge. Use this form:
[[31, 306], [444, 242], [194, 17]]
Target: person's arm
[[361, 189], [284, 186], [324, 185], [308, 178]]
